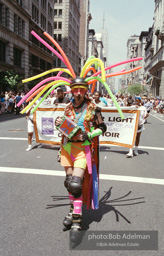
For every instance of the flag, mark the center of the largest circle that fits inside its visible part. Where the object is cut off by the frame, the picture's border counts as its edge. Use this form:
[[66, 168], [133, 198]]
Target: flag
[[149, 80]]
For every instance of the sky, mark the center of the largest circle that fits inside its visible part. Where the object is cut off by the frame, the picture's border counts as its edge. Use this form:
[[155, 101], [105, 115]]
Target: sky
[[123, 18]]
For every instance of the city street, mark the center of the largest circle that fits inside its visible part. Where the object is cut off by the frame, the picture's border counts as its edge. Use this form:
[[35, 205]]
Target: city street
[[34, 200]]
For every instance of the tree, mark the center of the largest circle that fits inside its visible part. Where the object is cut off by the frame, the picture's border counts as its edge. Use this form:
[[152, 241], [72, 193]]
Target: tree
[[136, 89], [13, 80]]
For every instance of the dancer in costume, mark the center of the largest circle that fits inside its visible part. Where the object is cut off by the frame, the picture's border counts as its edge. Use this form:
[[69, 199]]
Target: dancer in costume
[[79, 153], [74, 154]]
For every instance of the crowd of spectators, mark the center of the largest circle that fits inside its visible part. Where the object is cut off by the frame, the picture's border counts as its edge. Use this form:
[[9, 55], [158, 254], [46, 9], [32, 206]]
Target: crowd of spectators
[[155, 104], [9, 100]]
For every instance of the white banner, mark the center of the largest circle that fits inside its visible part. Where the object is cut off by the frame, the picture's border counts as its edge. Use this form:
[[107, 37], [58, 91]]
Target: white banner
[[119, 132]]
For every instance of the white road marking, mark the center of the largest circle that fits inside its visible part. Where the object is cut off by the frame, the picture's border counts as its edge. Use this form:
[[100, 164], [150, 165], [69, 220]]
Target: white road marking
[[157, 117], [143, 147], [132, 179], [154, 148], [32, 171], [102, 176], [106, 145], [12, 138]]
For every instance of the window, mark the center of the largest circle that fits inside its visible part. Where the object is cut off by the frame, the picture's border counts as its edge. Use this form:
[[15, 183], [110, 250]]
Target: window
[[59, 62], [60, 12], [34, 61], [55, 25], [34, 40], [55, 12], [17, 57], [35, 13], [15, 23], [60, 25], [4, 15], [70, 17], [1, 13], [43, 21], [2, 51], [54, 63], [70, 41], [59, 37], [19, 2], [43, 4], [49, 10], [56, 1], [42, 46], [49, 65], [60, 1], [55, 36], [49, 28], [19, 26], [23, 28], [42, 64]]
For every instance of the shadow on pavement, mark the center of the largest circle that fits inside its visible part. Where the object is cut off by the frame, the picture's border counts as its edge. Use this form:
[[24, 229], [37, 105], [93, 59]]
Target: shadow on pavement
[[108, 149], [105, 206], [58, 198], [10, 116]]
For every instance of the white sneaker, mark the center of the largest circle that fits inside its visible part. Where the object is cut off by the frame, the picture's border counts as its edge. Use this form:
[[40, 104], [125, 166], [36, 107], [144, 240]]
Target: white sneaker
[[129, 155], [135, 152], [29, 148]]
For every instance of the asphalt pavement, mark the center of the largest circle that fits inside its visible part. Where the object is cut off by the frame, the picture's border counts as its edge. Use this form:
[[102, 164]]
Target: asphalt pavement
[[34, 201]]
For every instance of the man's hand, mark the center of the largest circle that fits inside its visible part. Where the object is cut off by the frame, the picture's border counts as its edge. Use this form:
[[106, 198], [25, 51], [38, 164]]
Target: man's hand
[[82, 136], [58, 121]]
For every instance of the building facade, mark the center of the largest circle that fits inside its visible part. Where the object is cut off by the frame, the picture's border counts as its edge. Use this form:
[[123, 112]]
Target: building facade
[[85, 18], [156, 66], [66, 31], [134, 51], [152, 50], [19, 50]]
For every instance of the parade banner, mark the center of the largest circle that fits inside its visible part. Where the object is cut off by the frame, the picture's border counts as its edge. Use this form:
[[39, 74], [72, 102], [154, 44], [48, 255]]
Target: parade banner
[[120, 132]]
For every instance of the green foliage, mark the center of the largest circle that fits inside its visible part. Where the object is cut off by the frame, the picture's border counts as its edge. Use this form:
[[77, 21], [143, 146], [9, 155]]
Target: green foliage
[[13, 80], [136, 89], [122, 91]]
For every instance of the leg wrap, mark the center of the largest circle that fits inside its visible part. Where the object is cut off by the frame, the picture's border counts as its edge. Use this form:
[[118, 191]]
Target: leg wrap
[[77, 203], [75, 186], [67, 180]]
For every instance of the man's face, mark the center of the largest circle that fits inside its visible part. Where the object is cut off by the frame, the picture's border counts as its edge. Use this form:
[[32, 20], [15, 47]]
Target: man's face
[[79, 93], [137, 101], [60, 95], [96, 96]]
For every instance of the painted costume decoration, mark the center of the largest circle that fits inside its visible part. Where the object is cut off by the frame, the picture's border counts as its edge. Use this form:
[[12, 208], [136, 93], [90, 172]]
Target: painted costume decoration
[[91, 148]]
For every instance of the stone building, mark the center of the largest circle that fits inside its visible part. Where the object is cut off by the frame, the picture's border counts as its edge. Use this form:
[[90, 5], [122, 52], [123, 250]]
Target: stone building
[[156, 66], [19, 50], [66, 31], [133, 51], [146, 40], [154, 52], [85, 18]]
